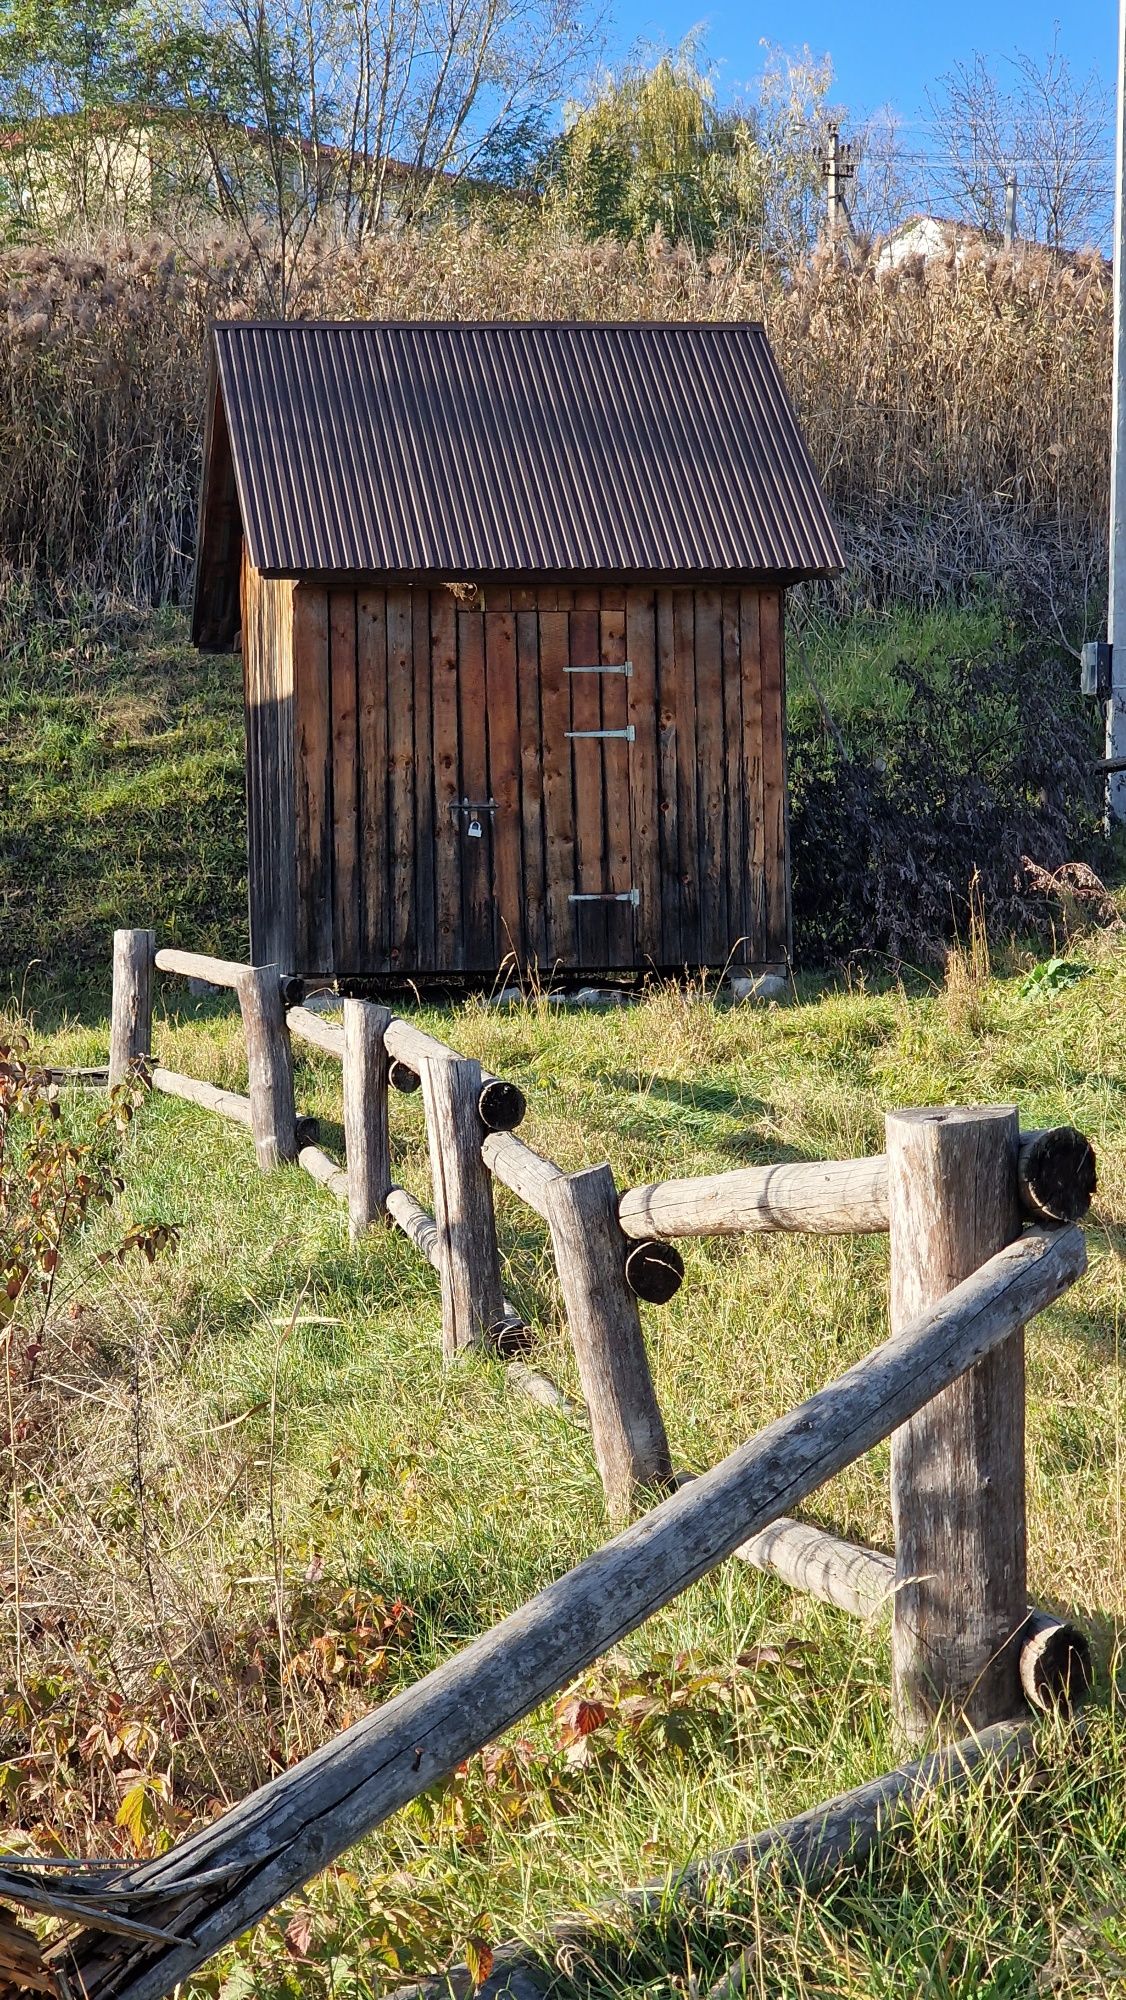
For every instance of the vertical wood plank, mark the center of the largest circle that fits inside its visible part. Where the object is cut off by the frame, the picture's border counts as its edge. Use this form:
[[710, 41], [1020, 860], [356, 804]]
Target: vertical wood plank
[[774, 779], [273, 1109], [711, 813], [754, 907], [449, 940], [502, 712], [617, 772], [374, 804], [400, 776], [367, 1143], [668, 828], [313, 737], [254, 696], [473, 1310], [957, 1468], [627, 1429], [642, 711], [531, 781], [425, 947], [345, 789], [558, 788], [589, 783], [130, 1035], [479, 909], [687, 753], [736, 855]]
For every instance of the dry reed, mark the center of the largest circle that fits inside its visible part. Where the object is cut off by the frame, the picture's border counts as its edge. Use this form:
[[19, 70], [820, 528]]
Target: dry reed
[[959, 411]]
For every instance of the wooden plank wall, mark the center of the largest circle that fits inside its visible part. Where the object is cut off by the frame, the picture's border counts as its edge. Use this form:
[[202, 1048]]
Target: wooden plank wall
[[409, 702], [271, 819]]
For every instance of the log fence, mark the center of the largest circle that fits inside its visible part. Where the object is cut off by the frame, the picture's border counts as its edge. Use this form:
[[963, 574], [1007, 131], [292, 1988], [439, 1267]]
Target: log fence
[[983, 1236]]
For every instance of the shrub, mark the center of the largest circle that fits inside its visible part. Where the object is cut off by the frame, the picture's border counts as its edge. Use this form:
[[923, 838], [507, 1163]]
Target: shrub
[[989, 761]]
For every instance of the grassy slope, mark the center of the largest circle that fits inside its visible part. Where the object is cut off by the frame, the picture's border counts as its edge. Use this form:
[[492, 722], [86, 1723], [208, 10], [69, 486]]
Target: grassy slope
[[121, 774], [262, 1418], [446, 1491]]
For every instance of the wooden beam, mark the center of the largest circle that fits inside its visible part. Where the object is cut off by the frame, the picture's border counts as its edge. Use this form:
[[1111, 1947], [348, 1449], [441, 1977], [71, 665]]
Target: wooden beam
[[957, 1466], [325, 1171], [275, 1840], [809, 1850], [469, 1268], [273, 1110], [130, 1035], [1056, 1179], [1056, 1668], [367, 1141], [501, 1106], [626, 1425], [197, 965], [520, 1168]]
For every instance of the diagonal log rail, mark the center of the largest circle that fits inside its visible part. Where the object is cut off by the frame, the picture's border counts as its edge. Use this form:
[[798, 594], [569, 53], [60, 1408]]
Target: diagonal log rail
[[298, 1823], [1055, 1179]]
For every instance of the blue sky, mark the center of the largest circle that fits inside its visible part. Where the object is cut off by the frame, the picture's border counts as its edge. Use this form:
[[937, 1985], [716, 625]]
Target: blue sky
[[884, 51]]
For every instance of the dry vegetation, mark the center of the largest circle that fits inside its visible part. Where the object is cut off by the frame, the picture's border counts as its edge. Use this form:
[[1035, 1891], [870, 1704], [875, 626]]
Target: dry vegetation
[[960, 413]]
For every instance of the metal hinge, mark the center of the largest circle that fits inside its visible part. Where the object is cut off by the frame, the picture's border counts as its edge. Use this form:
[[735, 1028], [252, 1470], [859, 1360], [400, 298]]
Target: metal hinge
[[619, 667], [627, 734], [607, 896]]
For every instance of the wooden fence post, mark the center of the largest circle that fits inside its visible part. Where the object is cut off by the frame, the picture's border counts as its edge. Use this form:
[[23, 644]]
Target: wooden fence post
[[367, 1141], [627, 1428], [957, 1468], [472, 1294], [130, 1034], [273, 1111]]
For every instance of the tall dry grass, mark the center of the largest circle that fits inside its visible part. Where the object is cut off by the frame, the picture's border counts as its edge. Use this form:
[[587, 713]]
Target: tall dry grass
[[960, 413]]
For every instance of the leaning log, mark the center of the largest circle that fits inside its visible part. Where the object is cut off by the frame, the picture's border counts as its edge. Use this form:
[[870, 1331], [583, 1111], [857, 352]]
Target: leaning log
[[809, 1850], [830, 1197], [1056, 1669], [1055, 1174], [197, 965], [289, 1829], [325, 1171], [500, 1105], [227, 1103]]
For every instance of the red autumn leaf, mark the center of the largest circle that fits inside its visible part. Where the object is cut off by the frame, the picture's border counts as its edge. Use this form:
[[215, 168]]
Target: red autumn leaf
[[299, 1934], [479, 1959], [580, 1717]]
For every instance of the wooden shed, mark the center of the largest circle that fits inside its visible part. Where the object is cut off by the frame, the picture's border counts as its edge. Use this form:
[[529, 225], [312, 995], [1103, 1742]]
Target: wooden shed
[[511, 602]]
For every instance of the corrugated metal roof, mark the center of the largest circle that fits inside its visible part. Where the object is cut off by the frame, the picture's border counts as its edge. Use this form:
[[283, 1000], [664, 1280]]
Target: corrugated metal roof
[[413, 449]]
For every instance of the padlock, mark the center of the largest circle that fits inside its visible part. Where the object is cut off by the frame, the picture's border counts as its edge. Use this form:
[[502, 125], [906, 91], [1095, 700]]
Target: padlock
[[474, 828]]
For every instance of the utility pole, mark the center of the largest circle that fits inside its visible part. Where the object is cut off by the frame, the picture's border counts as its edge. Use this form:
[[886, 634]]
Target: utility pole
[[1116, 621], [838, 167], [1010, 208]]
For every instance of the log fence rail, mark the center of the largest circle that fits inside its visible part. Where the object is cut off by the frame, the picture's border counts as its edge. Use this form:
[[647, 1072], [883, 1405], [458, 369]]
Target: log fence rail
[[982, 1225]]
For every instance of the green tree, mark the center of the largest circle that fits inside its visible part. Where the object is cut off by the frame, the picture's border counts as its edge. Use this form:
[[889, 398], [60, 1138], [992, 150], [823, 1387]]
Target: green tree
[[653, 150]]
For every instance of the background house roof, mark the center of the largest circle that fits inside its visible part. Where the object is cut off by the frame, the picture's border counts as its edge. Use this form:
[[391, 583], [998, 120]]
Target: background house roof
[[497, 450]]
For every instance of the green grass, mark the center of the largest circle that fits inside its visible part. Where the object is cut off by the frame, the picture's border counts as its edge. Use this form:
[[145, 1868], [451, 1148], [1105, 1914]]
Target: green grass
[[121, 782], [294, 1420], [848, 663], [121, 792], [259, 1425]]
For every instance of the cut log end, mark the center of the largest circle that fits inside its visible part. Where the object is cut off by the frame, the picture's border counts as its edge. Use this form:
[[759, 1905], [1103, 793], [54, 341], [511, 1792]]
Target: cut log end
[[1057, 1175], [308, 1132], [1056, 1669], [403, 1079], [654, 1272], [501, 1105]]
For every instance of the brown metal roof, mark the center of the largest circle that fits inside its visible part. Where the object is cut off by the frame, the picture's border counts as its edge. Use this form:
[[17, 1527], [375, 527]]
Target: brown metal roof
[[516, 449]]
